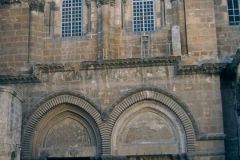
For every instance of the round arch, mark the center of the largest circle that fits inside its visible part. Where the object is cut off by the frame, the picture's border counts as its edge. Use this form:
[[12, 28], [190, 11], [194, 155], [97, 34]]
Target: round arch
[[50, 103], [170, 101]]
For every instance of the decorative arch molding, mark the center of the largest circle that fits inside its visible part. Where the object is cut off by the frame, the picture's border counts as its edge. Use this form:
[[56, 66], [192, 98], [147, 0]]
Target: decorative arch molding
[[150, 93], [49, 103], [148, 127]]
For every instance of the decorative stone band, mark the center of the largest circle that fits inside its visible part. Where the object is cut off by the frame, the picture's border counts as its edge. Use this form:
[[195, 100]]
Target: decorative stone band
[[13, 79], [209, 68], [147, 157], [211, 136], [9, 1], [203, 154]]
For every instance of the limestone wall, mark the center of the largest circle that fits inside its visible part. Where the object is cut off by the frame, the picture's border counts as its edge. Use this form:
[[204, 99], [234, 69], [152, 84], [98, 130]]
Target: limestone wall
[[107, 33], [10, 124], [195, 30], [201, 93], [228, 37], [13, 37], [201, 29]]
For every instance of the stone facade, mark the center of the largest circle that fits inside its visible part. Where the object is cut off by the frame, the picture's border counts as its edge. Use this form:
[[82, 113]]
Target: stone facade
[[117, 94], [11, 116]]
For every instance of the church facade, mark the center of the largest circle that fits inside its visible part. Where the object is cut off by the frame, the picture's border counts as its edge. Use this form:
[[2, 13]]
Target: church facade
[[119, 79]]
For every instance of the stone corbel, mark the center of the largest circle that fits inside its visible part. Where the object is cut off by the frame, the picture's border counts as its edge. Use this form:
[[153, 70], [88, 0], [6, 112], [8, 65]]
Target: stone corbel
[[36, 5], [88, 3], [105, 2], [52, 5], [9, 1]]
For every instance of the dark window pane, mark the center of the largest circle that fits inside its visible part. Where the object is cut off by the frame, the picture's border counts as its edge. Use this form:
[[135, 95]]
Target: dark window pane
[[233, 12], [235, 2], [236, 12], [231, 18], [237, 18], [230, 5], [230, 12]]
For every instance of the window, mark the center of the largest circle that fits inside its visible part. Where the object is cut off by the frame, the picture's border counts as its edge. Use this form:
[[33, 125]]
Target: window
[[233, 12], [71, 18], [143, 16]]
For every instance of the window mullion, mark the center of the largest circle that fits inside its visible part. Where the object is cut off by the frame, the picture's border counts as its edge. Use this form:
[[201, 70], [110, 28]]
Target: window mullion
[[234, 20], [143, 14], [71, 17]]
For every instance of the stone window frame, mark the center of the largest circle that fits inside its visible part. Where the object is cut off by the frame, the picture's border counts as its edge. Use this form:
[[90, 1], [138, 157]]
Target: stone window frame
[[160, 17], [234, 15], [154, 16], [80, 5]]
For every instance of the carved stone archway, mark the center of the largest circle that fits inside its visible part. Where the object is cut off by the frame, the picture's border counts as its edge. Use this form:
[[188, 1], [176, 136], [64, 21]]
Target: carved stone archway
[[148, 128], [170, 106], [55, 114]]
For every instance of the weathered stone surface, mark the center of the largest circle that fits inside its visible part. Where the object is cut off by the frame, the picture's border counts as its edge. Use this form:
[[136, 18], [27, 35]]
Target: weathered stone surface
[[10, 123], [176, 41], [96, 95]]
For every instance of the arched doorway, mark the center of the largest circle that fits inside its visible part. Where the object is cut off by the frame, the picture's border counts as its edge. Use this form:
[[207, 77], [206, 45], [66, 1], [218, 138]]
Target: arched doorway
[[149, 122], [148, 128], [63, 127], [65, 131]]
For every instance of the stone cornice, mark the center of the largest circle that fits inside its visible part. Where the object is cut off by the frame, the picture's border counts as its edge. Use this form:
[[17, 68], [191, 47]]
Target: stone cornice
[[207, 68], [131, 63], [13, 79], [37, 5], [9, 1], [211, 136], [107, 64], [104, 2]]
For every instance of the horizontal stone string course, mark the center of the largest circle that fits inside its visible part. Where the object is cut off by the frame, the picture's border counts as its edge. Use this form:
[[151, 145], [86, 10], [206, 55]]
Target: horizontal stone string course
[[213, 68]]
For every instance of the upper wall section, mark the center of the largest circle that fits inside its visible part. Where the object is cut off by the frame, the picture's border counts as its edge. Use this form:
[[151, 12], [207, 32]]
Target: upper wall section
[[13, 36], [31, 35], [201, 31], [228, 36]]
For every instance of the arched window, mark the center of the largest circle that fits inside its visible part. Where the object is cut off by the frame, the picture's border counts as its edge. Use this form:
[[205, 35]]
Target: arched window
[[234, 12], [143, 15], [71, 18]]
